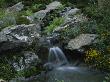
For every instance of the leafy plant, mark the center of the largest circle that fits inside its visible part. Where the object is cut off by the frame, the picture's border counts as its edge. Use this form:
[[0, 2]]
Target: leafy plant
[[55, 23], [28, 12], [6, 19]]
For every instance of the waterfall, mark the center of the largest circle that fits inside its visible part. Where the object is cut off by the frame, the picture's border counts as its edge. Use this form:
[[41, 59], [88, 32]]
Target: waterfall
[[59, 69], [56, 57]]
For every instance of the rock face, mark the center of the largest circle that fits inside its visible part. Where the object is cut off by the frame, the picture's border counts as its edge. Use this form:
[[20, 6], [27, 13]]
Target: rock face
[[18, 36], [81, 40], [27, 60], [16, 8], [38, 16]]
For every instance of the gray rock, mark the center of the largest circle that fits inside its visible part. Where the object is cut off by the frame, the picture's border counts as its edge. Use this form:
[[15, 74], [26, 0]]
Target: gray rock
[[19, 36], [30, 58], [38, 16], [16, 8], [82, 40], [27, 60], [53, 5], [71, 12]]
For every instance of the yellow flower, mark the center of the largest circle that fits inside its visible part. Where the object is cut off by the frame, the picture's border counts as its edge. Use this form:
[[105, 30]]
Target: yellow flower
[[92, 53]]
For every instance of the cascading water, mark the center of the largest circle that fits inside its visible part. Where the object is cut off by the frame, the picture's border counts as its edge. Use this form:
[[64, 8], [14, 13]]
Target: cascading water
[[57, 57]]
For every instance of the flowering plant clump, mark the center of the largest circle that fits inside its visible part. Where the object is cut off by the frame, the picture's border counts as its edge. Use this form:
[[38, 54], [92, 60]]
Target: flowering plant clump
[[96, 59], [92, 56]]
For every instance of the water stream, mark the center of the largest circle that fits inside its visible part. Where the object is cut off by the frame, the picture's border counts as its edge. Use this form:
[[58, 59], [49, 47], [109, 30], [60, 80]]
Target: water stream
[[63, 72], [57, 57]]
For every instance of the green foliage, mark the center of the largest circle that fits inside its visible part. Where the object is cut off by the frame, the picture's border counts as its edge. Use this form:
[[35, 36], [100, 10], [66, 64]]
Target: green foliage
[[7, 71], [37, 7], [7, 19], [2, 2], [33, 8], [22, 20], [6, 3], [2, 13], [28, 12], [29, 72], [93, 11], [55, 23]]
